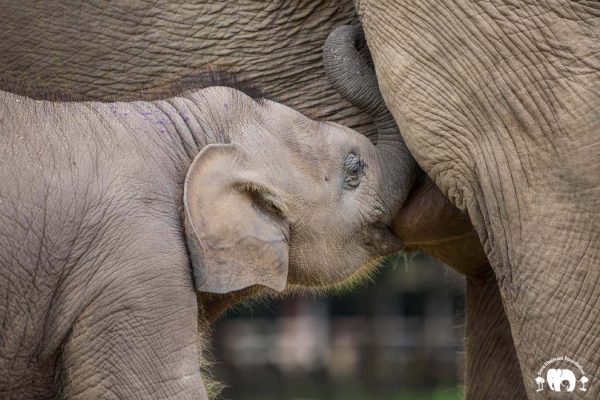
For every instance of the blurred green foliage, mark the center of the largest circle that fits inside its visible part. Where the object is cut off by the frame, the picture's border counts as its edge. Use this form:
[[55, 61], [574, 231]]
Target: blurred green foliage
[[437, 394]]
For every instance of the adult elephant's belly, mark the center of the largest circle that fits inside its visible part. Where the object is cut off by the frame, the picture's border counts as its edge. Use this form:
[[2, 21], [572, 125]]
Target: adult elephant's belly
[[116, 52], [429, 223]]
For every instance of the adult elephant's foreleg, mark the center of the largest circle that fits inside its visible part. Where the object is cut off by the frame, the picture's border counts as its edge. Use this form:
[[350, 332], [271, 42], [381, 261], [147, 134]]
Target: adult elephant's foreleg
[[492, 368], [551, 295]]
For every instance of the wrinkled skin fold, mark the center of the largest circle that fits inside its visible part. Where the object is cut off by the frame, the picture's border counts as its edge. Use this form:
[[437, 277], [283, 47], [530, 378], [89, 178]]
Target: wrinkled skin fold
[[499, 104]]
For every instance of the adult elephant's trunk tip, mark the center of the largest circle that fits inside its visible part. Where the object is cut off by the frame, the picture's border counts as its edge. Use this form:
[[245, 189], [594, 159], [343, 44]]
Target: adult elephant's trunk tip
[[350, 70]]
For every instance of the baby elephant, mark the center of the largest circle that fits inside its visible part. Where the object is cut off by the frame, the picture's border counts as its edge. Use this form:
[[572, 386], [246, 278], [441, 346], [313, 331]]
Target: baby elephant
[[113, 216]]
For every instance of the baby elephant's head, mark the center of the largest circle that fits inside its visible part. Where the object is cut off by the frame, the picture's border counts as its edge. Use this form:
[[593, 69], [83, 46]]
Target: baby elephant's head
[[287, 200]]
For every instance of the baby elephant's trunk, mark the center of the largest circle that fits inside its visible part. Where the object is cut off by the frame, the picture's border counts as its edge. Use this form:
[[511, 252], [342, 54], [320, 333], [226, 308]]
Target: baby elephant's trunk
[[350, 69]]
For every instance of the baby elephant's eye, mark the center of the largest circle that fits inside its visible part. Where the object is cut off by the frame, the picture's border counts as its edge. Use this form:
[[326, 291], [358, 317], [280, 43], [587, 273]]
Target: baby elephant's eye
[[352, 181], [353, 168]]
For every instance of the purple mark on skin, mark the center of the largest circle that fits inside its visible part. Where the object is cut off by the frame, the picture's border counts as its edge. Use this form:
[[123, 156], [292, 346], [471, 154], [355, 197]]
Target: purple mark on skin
[[115, 109], [162, 124], [226, 105]]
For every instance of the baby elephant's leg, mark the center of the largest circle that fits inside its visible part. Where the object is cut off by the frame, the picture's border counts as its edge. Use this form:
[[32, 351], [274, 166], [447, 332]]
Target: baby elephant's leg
[[138, 337]]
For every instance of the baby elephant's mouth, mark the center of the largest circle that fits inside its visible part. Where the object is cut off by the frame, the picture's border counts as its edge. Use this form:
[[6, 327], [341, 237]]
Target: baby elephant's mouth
[[381, 239]]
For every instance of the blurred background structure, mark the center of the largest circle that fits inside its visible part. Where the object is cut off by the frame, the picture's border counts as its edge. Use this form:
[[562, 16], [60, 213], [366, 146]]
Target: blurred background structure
[[400, 337]]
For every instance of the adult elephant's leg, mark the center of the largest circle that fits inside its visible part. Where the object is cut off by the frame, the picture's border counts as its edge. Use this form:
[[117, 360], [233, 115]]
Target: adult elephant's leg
[[492, 367], [552, 296]]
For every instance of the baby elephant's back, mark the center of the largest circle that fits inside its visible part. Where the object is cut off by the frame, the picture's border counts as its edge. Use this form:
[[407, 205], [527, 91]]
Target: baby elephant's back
[[49, 187]]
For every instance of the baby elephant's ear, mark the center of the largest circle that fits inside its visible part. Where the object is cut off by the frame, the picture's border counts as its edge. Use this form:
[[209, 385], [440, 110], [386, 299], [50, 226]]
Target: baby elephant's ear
[[235, 224]]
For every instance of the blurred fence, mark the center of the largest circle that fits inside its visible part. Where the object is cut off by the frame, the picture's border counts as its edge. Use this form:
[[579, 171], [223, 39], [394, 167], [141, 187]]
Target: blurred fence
[[399, 337]]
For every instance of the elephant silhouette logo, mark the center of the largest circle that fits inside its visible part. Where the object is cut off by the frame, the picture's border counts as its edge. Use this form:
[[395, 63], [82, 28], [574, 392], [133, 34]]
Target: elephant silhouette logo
[[559, 378], [562, 379]]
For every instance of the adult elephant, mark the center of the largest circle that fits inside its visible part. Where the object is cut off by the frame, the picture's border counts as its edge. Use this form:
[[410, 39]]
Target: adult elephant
[[498, 102]]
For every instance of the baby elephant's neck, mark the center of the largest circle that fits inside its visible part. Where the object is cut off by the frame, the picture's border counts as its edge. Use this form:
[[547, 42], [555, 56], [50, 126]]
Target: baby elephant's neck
[[207, 116]]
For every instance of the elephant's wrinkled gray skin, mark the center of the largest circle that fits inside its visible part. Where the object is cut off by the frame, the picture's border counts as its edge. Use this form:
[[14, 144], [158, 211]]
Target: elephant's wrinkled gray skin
[[102, 50], [95, 271], [499, 104]]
